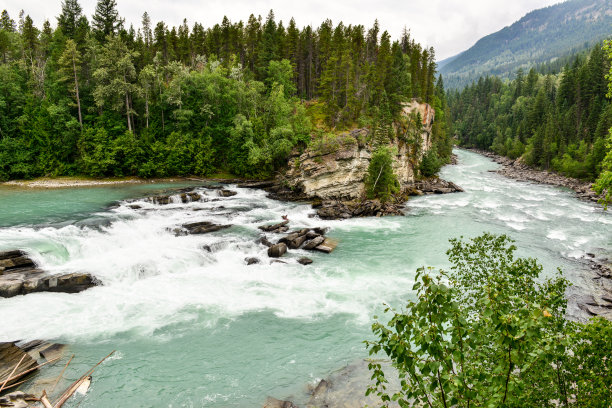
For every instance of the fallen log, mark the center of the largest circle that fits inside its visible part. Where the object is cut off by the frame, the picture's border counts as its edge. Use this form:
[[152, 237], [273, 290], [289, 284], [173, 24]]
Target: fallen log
[[75, 385], [61, 374], [12, 372], [32, 369]]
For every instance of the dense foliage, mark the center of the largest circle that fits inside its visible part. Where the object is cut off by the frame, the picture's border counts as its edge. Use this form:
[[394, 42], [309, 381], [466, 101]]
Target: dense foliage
[[603, 185], [491, 333], [557, 122], [381, 182], [96, 98], [542, 35]]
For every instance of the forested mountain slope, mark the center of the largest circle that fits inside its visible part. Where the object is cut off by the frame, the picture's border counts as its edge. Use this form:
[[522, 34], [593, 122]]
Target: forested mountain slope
[[554, 121], [540, 36]]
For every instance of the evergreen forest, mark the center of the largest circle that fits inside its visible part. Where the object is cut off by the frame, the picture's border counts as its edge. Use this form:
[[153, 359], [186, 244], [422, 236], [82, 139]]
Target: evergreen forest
[[554, 121], [91, 96]]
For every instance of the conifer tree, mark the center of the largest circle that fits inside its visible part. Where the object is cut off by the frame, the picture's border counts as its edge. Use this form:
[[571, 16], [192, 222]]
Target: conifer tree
[[106, 20], [69, 19], [70, 63]]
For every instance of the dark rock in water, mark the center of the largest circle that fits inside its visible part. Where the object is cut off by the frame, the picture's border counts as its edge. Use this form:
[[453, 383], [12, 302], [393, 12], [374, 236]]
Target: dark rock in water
[[296, 242], [134, 206], [251, 261], [273, 228], [320, 231], [312, 234], [277, 250], [288, 238], [338, 210], [432, 185], [227, 193], [264, 241], [69, 283], [203, 227], [315, 242], [305, 261], [257, 184], [19, 276], [190, 197], [14, 260], [274, 403]]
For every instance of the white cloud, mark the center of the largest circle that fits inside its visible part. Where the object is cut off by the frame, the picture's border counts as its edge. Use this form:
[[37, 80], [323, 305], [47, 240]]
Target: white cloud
[[450, 26]]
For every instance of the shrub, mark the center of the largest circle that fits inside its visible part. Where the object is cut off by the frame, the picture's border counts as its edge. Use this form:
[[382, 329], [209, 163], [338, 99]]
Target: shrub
[[381, 182], [491, 333], [430, 164]]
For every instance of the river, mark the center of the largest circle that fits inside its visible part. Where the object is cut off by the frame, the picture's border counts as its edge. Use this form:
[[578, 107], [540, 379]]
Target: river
[[194, 328]]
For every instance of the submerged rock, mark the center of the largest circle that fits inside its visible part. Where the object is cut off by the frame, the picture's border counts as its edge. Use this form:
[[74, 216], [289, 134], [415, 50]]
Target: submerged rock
[[275, 403], [305, 261], [252, 261], [264, 241]]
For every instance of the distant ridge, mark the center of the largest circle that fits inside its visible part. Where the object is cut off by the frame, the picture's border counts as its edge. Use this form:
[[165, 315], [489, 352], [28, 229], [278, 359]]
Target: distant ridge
[[540, 36]]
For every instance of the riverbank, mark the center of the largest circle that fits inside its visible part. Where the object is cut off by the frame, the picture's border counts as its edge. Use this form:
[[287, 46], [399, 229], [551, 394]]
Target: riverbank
[[517, 170], [71, 182]]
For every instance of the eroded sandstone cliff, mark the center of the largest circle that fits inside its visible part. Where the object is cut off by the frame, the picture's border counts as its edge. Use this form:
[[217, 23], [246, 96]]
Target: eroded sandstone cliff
[[336, 169]]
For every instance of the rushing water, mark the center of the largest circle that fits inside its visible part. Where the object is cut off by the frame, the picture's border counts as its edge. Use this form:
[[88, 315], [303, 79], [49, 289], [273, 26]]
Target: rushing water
[[196, 328]]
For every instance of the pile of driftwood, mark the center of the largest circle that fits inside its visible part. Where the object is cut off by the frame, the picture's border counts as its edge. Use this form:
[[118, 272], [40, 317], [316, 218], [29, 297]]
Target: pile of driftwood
[[22, 370]]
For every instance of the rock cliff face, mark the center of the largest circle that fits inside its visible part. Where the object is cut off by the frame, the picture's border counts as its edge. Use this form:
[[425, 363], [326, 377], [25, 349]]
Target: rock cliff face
[[336, 170]]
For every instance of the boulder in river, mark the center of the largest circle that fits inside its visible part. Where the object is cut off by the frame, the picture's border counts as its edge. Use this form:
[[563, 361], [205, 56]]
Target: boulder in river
[[227, 193], [275, 227], [305, 261], [203, 227], [297, 242], [20, 276], [313, 243], [277, 250], [263, 240], [251, 260], [327, 246]]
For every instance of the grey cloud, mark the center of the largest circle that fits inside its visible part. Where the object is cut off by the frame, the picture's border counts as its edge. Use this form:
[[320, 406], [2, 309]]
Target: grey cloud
[[450, 26]]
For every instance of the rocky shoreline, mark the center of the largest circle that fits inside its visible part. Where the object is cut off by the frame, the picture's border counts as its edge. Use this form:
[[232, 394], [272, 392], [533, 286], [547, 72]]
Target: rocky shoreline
[[345, 209], [517, 170]]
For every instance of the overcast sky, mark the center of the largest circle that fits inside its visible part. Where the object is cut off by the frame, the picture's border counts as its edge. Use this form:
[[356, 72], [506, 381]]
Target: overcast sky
[[450, 26]]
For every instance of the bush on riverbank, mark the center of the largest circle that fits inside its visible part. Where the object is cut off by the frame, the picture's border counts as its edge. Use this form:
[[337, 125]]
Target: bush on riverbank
[[491, 333]]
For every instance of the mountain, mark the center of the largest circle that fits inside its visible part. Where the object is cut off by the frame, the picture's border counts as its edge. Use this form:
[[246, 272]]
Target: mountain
[[540, 36]]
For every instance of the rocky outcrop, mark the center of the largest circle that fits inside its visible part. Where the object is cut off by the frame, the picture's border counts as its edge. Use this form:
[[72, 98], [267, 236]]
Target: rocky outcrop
[[19, 275], [338, 210], [335, 169], [309, 239]]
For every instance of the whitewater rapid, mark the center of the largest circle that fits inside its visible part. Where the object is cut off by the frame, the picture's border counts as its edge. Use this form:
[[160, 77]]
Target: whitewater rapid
[[150, 276]]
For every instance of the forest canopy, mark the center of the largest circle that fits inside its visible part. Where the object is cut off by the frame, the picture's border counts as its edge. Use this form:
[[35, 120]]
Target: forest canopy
[[94, 97]]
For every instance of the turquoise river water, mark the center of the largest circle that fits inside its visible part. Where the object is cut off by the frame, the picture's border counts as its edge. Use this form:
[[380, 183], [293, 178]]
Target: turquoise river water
[[201, 329]]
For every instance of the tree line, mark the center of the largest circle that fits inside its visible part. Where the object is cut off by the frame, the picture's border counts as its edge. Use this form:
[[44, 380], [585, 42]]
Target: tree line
[[551, 121], [94, 97]]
